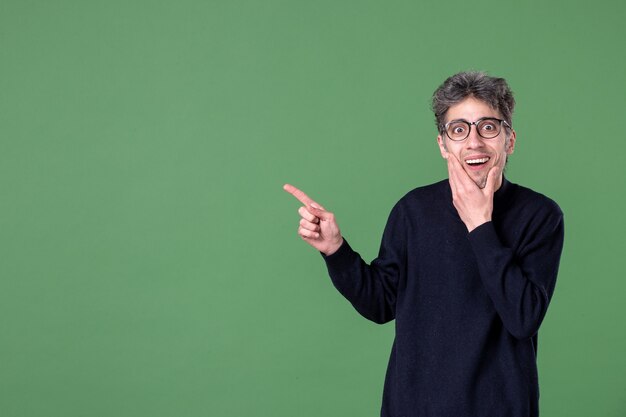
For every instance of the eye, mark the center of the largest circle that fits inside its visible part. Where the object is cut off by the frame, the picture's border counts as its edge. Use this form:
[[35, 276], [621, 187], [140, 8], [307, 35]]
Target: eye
[[458, 128], [488, 126]]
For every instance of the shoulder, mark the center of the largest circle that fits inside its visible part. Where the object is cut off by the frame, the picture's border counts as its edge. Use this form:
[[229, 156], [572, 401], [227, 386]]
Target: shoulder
[[532, 201], [530, 215], [422, 201], [426, 194]]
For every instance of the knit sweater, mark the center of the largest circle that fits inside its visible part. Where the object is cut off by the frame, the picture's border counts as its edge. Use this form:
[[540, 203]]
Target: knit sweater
[[467, 306]]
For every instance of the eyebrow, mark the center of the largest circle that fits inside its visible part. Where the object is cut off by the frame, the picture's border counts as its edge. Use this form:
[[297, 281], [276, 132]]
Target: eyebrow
[[467, 121]]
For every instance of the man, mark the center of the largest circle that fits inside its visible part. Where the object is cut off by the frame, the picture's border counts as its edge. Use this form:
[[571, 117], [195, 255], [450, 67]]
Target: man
[[467, 267]]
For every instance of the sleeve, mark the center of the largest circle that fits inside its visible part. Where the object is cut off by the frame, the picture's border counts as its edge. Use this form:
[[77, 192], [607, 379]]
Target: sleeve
[[372, 289], [521, 284]]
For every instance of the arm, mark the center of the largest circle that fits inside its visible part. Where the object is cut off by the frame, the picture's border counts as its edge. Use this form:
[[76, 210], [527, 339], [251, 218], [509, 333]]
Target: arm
[[370, 288], [520, 285]]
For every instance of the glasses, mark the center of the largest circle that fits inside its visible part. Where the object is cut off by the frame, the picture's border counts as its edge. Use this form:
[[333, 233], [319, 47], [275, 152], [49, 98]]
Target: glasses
[[487, 128]]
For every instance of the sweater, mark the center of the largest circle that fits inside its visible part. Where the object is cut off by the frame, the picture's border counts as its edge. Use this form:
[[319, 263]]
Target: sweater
[[467, 306]]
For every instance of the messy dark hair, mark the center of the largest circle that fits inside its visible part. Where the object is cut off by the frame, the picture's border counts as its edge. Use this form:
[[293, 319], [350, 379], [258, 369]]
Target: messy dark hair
[[493, 91]]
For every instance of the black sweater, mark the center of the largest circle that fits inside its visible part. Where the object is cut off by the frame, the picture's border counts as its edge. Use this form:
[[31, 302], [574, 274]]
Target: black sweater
[[467, 305]]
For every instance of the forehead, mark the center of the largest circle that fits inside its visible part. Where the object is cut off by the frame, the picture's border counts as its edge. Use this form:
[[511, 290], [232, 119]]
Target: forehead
[[471, 109]]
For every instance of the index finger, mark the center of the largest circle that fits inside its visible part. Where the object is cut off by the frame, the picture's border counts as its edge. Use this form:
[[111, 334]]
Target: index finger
[[457, 173], [299, 194]]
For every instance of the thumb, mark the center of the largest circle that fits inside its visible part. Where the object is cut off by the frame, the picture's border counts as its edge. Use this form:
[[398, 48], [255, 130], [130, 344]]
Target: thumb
[[492, 179], [318, 211]]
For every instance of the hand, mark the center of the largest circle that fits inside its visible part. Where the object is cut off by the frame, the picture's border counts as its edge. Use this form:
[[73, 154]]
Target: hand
[[317, 226], [474, 205]]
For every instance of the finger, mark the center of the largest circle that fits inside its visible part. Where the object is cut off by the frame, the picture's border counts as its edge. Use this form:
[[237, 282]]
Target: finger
[[321, 213], [304, 213], [457, 168], [492, 179], [453, 166], [317, 205], [305, 224], [308, 234], [299, 194], [462, 178], [452, 176]]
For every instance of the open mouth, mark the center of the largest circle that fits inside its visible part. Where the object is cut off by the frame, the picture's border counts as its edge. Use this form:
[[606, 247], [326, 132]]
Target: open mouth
[[477, 161]]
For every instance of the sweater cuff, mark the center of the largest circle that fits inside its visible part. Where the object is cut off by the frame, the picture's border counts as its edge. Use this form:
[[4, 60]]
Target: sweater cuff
[[484, 238], [340, 260]]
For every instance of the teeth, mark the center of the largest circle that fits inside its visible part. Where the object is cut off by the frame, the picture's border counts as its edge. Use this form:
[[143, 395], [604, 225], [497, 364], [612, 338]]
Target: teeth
[[477, 161]]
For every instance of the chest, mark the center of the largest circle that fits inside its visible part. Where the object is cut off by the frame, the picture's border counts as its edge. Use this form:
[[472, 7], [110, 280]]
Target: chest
[[441, 267]]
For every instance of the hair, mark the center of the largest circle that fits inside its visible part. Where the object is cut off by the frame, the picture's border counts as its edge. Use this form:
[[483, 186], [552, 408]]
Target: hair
[[493, 91]]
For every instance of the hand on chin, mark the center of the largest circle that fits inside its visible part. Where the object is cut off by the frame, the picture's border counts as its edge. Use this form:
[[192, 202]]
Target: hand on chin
[[479, 178]]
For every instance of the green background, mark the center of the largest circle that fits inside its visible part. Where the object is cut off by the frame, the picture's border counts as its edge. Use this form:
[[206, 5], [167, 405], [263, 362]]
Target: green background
[[150, 264]]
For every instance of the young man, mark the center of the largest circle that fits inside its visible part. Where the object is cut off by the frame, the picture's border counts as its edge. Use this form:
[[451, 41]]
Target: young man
[[467, 267]]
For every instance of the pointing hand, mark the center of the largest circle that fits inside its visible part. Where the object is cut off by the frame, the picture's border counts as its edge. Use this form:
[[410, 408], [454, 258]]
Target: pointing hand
[[317, 226]]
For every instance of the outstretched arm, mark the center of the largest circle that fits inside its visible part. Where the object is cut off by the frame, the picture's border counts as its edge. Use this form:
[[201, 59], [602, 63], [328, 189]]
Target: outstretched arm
[[371, 289]]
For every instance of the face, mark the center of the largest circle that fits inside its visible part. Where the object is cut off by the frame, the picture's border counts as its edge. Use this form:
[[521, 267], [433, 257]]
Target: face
[[493, 151]]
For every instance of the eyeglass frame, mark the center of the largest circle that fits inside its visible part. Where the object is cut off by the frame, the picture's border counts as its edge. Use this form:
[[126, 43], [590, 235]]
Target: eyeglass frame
[[444, 128]]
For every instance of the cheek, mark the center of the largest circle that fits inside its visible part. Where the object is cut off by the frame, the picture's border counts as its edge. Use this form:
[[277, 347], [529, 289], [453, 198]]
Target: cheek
[[501, 155], [454, 150], [502, 160]]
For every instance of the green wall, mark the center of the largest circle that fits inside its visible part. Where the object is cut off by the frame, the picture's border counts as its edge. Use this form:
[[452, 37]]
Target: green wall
[[150, 264]]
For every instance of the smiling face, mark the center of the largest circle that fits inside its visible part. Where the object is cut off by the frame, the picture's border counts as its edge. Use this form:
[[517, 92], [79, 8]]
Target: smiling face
[[476, 154]]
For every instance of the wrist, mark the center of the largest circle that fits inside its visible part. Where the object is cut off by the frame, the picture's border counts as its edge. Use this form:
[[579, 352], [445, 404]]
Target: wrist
[[472, 227], [333, 248]]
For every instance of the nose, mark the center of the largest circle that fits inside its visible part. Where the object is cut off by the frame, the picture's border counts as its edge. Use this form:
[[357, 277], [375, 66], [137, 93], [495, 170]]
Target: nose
[[474, 140]]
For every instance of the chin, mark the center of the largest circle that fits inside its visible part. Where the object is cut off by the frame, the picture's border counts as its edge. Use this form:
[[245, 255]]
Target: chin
[[481, 182]]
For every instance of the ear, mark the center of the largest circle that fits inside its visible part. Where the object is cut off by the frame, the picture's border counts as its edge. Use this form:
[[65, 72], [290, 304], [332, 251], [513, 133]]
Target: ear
[[510, 147], [442, 147]]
